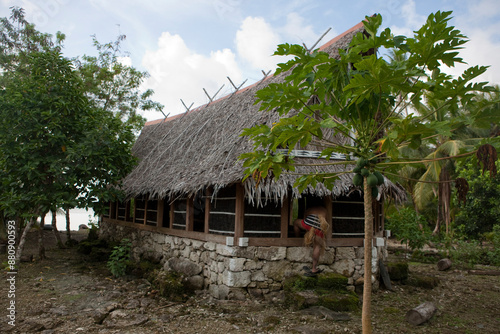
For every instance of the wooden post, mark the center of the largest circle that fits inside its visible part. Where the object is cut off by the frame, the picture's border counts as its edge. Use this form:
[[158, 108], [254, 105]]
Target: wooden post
[[135, 210], [171, 223], [208, 194], [285, 217], [329, 216], [239, 213], [145, 220], [190, 214]]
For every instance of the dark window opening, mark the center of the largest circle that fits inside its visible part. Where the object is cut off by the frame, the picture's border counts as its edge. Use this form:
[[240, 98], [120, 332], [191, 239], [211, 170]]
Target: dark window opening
[[262, 221], [152, 213], [140, 210], [348, 216], [180, 208], [222, 212]]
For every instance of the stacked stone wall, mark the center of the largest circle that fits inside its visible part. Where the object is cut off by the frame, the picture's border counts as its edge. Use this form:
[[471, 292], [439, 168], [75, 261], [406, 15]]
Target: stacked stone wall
[[233, 272]]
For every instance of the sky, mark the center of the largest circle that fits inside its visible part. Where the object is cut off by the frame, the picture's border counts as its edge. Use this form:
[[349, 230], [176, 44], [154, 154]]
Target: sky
[[190, 46]]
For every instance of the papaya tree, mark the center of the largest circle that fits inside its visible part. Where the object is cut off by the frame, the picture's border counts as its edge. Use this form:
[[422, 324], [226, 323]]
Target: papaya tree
[[367, 99]]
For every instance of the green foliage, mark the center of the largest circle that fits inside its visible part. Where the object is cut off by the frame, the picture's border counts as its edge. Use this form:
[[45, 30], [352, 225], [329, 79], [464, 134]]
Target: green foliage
[[66, 139], [409, 227], [467, 253], [493, 253], [481, 210], [120, 258], [364, 98], [113, 86]]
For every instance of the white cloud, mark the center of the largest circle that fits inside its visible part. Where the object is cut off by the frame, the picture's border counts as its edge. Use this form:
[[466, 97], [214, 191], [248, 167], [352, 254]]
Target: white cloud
[[481, 24], [412, 20], [256, 41], [296, 30], [179, 73]]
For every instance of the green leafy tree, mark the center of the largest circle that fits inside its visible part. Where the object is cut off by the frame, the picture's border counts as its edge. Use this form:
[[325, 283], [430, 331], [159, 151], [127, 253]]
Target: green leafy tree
[[58, 146], [364, 98], [480, 210], [114, 86]]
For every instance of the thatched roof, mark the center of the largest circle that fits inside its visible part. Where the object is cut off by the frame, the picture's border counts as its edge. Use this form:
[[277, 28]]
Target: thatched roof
[[200, 149]]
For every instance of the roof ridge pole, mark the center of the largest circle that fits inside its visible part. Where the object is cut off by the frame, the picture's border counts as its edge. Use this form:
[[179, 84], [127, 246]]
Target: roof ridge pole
[[207, 95], [213, 97], [265, 74], [319, 39], [232, 83], [187, 109]]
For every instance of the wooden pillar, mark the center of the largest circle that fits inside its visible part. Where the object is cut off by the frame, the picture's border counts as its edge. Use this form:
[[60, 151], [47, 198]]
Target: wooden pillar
[[208, 195], [171, 222], [135, 210], [239, 212], [329, 214], [145, 220], [190, 214], [285, 217]]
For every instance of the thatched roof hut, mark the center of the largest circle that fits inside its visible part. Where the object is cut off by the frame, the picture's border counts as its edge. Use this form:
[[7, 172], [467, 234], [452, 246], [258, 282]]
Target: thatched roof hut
[[188, 153]]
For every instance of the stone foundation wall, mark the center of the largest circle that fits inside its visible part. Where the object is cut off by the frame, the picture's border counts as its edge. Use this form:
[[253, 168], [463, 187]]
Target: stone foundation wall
[[233, 272]]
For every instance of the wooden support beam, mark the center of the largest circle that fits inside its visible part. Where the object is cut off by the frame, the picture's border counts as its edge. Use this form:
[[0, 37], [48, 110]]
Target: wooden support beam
[[171, 223], [285, 217], [145, 218], [239, 219], [190, 214], [208, 194], [135, 210], [329, 214]]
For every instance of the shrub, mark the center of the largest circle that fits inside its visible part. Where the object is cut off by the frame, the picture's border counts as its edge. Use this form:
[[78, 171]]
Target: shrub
[[120, 258], [409, 227], [494, 253], [481, 210]]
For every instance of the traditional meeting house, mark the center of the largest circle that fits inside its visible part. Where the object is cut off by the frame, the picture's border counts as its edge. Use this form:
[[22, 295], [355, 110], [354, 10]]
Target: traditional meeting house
[[189, 208]]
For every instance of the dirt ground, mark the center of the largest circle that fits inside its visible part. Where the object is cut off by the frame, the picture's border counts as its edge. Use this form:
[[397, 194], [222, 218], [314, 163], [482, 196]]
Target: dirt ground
[[66, 294]]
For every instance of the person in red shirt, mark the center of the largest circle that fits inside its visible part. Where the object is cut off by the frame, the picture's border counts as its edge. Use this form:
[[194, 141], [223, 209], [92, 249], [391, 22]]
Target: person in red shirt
[[316, 225]]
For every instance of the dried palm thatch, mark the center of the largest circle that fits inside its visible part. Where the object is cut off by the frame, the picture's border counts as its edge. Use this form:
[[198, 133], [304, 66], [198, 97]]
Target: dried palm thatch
[[200, 149]]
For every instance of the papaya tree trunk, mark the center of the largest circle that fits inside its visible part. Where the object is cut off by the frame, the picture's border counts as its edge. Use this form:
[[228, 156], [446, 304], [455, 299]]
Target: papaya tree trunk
[[41, 246], [56, 232], [68, 225], [22, 240], [367, 280]]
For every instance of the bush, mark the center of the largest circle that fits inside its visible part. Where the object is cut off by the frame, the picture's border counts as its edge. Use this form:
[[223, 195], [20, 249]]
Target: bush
[[481, 210], [409, 227], [120, 258], [494, 253]]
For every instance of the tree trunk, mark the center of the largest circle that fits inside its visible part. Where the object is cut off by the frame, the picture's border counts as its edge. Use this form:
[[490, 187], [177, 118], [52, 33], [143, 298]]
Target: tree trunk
[[367, 280], [41, 247], [68, 230], [56, 232], [22, 240], [421, 313], [444, 196]]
